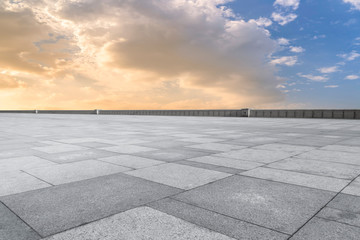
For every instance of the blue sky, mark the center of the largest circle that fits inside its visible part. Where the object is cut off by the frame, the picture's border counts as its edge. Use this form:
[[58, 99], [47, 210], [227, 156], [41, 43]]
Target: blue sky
[[327, 69]]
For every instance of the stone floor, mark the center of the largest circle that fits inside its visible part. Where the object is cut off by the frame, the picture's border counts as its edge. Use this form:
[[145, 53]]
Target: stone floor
[[157, 177]]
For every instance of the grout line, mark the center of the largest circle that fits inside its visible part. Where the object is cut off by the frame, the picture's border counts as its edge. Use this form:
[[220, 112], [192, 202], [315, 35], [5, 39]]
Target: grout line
[[338, 221], [323, 207], [37, 178], [21, 219], [225, 215]]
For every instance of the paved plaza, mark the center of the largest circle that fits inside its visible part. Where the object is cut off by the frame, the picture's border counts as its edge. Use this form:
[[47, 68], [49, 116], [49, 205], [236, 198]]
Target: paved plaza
[[118, 177]]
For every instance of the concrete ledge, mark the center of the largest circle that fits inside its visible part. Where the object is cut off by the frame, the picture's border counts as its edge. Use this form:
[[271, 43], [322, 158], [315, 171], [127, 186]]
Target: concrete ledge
[[245, 112]]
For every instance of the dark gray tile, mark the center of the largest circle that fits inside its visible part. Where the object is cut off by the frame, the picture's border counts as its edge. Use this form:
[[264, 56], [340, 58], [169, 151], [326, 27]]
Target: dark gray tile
[[13, 228], [273, 205], [323, 229], [346, 202], [340, 216], [214, 221], [65, 206]]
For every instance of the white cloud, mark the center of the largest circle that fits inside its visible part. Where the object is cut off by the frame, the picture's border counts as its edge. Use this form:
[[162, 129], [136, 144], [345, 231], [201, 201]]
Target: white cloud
[[319, 36], [294, 4], [350, 56], [261, 22], [285, 60], [328, 69], [282, 18], [283, 41], [297, 49], [331, 86], [355, 3], [314, 78], [352, 77]]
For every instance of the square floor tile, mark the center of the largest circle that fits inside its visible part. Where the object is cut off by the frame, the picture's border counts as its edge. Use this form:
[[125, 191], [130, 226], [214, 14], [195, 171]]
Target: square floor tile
[[59, 148], [353, 188], [71, 172], [59, 208], [180, 176], [131, 161], [329, 169], [76, 155], [227, 162], [23, 163], [13, 228], [342, 216], [332, 156], [140, 223], [128, 149], [165, 144], [301, 179], [171, 155], [285, 147], [17, 182], [256, 155], [217, 147], [323, 229], [226, 225], [274, 205], [341, 148]]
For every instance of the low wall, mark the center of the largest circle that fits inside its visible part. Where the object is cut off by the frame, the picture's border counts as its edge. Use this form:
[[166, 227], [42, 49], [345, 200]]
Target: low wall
[[268, 113], [306, 113], [207, 113]]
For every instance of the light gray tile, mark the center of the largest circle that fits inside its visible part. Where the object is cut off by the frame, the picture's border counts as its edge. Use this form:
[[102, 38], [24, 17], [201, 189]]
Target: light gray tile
[[76, 155], [140, 223], [353, 188], [23, 163], [59, 148], [330, 169], [180, 176], [274, 205], [285, 147], [128, 149], [131, 161], [59, 208], [17, 182], [323, 229], [227, 162], [342, 148], [301, 179], [216, 222], [217, 147], [71, 172], [346, 202], [332, 156], [171, 155], [256, 155]]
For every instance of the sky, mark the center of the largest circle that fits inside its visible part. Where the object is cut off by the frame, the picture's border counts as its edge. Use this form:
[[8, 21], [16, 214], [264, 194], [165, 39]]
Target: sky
[[179, 54]]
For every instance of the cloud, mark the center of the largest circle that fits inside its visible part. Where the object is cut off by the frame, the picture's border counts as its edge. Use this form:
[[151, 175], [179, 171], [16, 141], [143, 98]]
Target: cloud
[[352, 77], [354, 3], [294, 4], [314, 78], [331, 86], [283, 41], [349, 56], [115, 53], [262, 22], [283, 18], [285, 60], [297, 49], [319, 36], [328, 69]]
